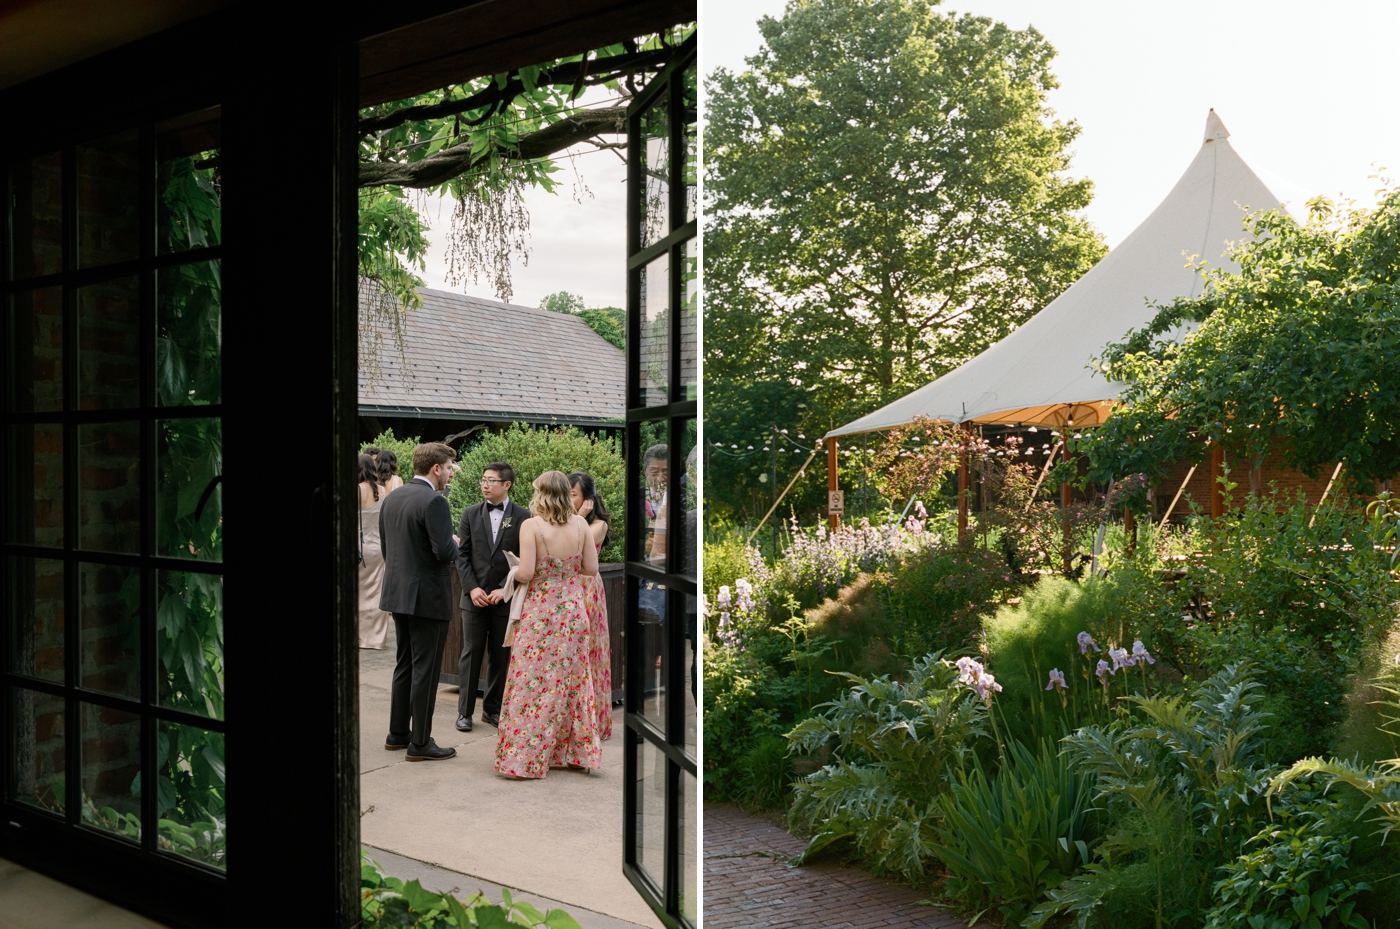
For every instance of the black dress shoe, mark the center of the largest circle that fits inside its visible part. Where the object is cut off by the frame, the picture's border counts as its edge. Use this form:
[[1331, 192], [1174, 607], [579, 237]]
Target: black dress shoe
[[464, 724], [492, 720], [431, 753], [392, 745]]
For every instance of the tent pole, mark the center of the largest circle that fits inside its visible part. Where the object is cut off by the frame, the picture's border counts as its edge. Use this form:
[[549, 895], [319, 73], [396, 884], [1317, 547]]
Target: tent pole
[[964, 467], [1066, 501], [832, 519]]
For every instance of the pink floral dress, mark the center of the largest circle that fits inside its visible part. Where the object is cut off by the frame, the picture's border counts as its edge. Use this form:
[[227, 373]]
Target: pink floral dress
[[550, 712], [599, 650]]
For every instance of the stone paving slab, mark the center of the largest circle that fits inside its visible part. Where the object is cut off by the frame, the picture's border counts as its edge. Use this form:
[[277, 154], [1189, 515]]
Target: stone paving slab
[[748, 884], [30, 900], [559, 838]]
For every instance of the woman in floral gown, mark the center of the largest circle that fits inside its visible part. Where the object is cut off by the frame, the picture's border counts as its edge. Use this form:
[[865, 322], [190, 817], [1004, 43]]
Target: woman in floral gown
[[549, 716], [586, 502]]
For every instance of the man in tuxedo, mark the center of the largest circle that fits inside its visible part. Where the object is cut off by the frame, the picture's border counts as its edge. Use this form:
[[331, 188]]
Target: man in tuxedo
[[487, 530], [415, 530]]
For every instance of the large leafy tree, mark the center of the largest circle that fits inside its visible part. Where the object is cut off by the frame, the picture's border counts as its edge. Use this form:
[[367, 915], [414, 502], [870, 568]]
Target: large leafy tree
[[1297, 352], [482, 144], [887, 196]]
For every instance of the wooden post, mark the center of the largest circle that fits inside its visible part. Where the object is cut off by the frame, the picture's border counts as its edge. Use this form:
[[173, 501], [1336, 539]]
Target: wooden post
[[832, 480], [1217, 491], [964, 476], [1066, 501], [1129, 530]]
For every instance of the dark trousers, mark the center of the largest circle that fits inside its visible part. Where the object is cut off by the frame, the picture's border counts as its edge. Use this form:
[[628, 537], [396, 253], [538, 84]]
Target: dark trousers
[[482, 634], [413, 694]]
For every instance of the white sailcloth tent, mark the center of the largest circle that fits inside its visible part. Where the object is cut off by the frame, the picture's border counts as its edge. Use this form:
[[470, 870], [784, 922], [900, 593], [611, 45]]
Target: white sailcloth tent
[[1040, 374]]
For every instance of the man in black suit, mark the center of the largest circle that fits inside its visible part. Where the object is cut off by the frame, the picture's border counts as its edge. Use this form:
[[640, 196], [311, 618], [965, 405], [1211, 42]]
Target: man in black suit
[[487, 530], [415, 530]]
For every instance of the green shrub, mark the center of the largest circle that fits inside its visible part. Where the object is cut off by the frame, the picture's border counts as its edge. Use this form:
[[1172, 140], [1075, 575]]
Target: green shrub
[[937, 595], [1009, 838], [895, 747], [389, 901], [725, 562], [1026, 640], [750, 695], [531, 452], [859, 630], [766, 774], [1294, 874], [1184, 786]]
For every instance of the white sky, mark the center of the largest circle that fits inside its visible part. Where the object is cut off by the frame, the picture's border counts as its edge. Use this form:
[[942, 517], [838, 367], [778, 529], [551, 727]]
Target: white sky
[[578, 237], [1308, 90]]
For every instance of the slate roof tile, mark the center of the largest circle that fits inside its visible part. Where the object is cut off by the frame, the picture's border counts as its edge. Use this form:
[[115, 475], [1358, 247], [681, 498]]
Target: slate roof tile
[[534, 365]]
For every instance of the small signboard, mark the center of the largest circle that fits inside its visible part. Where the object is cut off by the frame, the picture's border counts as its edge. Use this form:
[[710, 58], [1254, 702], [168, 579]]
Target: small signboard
[[836, 502]]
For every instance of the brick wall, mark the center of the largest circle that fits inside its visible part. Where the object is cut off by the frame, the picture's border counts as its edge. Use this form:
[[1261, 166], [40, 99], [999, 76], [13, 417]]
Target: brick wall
[[1271, 472]]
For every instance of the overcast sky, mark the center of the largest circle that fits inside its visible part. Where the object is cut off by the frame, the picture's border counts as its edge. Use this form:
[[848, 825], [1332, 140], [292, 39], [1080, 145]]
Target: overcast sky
[[578, 240], [1308, 90]]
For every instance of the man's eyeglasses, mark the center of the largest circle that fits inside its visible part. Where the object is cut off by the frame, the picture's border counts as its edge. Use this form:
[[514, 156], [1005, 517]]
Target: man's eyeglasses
[[490, 480]]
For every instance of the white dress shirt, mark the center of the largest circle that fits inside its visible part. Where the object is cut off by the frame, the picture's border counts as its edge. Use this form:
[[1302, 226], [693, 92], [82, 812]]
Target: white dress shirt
[[496, 517]]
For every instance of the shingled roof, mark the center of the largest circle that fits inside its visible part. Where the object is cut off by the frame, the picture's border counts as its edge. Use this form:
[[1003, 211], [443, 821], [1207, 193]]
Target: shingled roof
[[470, 358]]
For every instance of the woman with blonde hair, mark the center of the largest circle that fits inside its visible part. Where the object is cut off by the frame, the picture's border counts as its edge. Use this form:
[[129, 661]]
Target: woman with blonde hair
[[549, 715]]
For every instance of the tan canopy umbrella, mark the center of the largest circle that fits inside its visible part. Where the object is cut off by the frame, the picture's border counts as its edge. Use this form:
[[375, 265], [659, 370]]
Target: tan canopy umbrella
[[1040, 374]]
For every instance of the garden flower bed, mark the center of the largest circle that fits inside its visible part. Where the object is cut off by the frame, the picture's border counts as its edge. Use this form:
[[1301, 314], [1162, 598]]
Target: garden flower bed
[[1203, 735]]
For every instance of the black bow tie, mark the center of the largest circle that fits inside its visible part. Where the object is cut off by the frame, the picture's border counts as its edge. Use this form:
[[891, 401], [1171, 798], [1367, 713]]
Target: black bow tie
[[495, 506]]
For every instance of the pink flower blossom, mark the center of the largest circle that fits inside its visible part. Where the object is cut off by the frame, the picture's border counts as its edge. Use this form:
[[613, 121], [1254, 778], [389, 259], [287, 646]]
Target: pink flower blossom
[[970, 670]]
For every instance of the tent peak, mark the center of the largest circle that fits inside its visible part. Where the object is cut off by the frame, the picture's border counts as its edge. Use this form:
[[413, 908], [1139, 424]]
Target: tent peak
[[1215, 129]]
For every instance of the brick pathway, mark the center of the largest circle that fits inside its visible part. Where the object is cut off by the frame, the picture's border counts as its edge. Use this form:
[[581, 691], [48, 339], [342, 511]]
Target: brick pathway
[[748, 884]]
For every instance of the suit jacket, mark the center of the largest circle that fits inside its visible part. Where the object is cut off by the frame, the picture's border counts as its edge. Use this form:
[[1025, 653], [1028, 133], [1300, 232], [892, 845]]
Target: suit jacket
[[481, 561], [415, 532]]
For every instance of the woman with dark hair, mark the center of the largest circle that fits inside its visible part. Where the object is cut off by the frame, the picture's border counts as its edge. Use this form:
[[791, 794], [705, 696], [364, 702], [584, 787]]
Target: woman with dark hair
[[583, 494], [374, 622], [387, 465]]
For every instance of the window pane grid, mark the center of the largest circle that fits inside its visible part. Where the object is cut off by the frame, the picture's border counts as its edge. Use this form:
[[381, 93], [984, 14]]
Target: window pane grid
[[662, 483], [88, 387]]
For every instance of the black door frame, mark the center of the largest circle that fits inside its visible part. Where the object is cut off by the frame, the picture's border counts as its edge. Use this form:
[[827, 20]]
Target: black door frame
[[289, 721], [287, 79], [677, 577]]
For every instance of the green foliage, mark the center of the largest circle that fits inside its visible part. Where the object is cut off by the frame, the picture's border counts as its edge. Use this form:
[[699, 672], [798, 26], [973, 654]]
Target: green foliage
[[1028, 639], [895, 746], [1294, 875], [938, 594], [765, 774], [887, 196], [531, 452], [1010, 837], [1296, 351], [1183, 784], [388, 901], [1302, 594], [473, 134], [609, 322], [725, 563]]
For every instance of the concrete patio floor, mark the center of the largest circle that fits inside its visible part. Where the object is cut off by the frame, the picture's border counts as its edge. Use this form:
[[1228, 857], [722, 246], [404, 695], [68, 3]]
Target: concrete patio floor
[[558, 841]]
